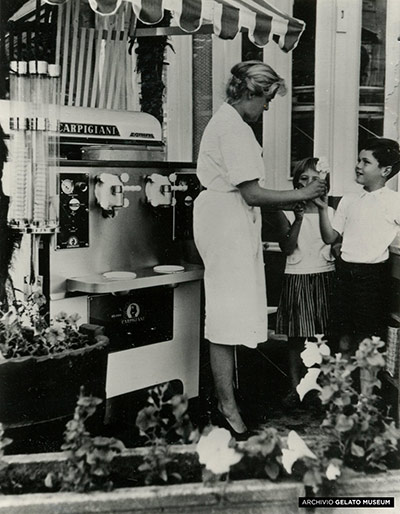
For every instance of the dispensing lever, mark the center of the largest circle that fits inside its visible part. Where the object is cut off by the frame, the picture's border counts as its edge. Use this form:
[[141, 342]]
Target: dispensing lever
[[132, 189]]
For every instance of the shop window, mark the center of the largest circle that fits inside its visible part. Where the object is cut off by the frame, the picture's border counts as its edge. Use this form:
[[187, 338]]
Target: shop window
[[372, 70], [303, 80]]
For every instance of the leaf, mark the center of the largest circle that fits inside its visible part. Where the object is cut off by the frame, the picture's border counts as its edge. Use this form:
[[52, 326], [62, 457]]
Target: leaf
[[48, 481], [343, 423], [379, 465], [326, 393], [272, 470], [164, 475], [357, 450], [145, 466], [312, 478], [376, 360]]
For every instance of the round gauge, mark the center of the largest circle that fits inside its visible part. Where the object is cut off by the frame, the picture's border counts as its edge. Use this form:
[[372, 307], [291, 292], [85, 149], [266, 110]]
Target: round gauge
[[67, 186]]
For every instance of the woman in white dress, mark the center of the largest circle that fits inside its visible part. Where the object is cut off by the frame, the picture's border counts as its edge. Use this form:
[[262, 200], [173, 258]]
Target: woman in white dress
[[227, 227]]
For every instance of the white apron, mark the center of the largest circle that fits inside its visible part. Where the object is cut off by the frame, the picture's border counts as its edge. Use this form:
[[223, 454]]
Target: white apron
[[227, 233]]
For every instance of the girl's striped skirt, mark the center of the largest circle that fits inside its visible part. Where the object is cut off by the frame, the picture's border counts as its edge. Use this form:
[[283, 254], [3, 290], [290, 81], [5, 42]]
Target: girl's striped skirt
[[305, 304]]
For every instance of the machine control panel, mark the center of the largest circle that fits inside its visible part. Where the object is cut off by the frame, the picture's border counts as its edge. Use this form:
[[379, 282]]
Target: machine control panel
[[140, 318], [74, 211]]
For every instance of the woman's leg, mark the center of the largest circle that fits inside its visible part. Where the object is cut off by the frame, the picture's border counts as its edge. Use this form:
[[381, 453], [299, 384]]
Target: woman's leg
[[222, 366]]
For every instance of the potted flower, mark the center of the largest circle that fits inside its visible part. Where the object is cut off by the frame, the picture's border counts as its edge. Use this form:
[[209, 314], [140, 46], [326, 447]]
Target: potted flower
[[42, 366]]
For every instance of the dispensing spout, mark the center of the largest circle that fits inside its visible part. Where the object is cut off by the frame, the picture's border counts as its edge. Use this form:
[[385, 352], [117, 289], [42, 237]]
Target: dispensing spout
[[109, 192]]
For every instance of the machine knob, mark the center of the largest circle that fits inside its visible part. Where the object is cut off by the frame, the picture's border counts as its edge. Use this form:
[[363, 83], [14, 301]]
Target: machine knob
[[74, 204], [73, 241], [188, 201], [82, 186]]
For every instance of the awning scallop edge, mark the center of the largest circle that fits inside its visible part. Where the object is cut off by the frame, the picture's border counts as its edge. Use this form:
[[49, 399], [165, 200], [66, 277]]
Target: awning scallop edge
[[262, 20]]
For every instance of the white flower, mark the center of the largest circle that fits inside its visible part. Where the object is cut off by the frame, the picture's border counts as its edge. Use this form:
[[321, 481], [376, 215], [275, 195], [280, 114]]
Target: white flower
[[10, 317], [297, 449], [333, 472], [308, 383], [322, 166], [311, 355], [215, 453], [323, 347], [314, 352]]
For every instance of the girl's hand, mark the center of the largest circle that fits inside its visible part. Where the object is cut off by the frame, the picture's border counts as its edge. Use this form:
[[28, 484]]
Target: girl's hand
[[316, 189], [299, 209]]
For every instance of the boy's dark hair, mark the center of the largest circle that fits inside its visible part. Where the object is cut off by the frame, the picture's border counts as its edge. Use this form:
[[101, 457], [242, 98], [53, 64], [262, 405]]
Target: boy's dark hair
[[386, 152]]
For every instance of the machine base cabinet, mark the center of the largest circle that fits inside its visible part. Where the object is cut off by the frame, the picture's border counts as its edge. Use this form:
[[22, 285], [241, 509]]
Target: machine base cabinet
[[239, 496], [35, 391]]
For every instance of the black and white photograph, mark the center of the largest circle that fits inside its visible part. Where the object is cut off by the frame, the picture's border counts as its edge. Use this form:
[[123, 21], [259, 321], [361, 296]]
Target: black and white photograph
[[199, 256]]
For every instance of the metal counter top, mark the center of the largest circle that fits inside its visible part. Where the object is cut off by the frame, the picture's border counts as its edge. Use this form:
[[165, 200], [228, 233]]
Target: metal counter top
[[145, 277]]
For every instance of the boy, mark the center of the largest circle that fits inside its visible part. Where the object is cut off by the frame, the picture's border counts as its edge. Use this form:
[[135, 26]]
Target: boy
[[368, 222]]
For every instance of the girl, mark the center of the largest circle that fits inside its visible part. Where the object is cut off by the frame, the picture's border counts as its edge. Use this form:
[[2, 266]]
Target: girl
[[303, 309]]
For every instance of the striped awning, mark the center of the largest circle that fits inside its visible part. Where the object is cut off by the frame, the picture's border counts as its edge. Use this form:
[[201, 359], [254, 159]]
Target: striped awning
[[262, 20]]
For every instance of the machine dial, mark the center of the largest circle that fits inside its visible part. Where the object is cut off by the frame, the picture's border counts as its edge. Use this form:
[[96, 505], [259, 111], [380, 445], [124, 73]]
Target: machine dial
[[67, 186], [73, 241], [74, 204], [82, 186]]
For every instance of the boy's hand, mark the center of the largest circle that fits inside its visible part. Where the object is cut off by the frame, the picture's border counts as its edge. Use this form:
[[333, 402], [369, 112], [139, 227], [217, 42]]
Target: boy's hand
[[321, 202], [316, 189]]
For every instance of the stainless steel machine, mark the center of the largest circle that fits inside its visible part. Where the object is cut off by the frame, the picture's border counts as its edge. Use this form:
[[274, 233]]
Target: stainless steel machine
[[115, 256]]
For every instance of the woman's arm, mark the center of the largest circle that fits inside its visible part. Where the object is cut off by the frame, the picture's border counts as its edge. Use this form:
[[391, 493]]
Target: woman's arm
[[257, 196], [290, 232]]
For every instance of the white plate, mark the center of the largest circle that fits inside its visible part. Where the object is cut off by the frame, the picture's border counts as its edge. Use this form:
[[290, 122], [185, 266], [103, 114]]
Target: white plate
[[168, 269], [119, 275]]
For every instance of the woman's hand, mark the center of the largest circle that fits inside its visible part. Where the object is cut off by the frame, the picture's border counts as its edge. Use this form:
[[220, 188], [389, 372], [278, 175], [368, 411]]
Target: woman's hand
[[316, 189]]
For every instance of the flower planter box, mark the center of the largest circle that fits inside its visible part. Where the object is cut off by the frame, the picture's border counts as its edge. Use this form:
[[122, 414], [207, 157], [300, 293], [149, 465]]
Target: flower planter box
[[36, 392], [239, 496]]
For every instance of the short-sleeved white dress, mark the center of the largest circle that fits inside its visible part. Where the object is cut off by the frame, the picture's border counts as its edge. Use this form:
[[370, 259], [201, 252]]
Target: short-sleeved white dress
[[227, 232]]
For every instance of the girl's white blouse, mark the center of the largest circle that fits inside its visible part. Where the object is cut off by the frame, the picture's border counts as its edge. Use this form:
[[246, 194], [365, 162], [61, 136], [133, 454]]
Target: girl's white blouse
[[311, 255]]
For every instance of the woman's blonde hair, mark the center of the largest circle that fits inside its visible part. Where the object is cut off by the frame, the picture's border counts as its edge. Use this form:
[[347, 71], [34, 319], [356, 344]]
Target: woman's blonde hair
[[254, 76]]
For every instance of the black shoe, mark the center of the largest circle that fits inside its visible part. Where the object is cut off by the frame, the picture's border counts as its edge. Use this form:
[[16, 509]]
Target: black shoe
[[219, 420]]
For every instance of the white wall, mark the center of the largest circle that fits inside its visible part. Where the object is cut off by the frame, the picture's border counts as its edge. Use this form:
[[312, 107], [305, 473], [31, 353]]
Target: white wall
[[277, 120], [338, 41], [392, 78], [225, 55], [179, 105]]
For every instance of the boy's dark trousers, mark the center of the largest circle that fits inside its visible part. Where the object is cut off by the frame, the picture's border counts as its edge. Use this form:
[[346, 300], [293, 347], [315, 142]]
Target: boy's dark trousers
[[360, 300]]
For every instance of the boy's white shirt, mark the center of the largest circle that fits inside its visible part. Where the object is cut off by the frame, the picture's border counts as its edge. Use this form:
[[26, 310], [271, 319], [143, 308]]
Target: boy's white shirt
[[368, 222]]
